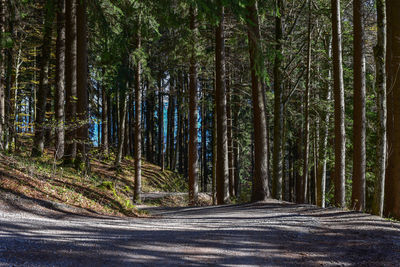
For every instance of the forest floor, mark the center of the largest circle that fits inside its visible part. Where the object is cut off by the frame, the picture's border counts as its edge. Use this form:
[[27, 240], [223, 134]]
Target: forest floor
[[105, 190], [271, 233]]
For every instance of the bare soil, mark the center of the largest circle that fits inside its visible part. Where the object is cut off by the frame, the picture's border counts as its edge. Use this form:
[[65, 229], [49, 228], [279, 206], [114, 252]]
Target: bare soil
[[259, 234]]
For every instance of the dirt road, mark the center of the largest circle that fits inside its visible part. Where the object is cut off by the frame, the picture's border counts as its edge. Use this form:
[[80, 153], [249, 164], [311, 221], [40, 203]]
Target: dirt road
[[260, 234]]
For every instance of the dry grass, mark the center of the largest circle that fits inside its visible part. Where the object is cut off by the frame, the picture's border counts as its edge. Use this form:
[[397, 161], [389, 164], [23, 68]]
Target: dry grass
[[106, 190]]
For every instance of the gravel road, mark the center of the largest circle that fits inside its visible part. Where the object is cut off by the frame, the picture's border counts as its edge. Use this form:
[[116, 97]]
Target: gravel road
[[260, 234]]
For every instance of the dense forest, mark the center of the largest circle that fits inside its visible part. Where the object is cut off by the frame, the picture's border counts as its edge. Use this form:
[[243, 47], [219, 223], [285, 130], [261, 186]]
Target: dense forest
[[296, 100]]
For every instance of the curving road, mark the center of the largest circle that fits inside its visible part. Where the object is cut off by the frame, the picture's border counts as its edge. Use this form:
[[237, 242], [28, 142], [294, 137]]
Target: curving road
[[260, 234]]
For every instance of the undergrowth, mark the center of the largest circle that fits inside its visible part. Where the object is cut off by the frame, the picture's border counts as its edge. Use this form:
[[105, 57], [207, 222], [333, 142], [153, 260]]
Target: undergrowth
[[105, 190]]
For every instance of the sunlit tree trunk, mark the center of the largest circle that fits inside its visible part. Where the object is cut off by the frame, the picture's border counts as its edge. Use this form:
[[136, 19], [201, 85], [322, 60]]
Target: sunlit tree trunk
[[70, 81], [104, 118], [193, 105], [160, 125], [380, 61], [222, 127], [60, 79], [260, 186], [121, 128], [44, 87], [138, 128], [2, 72], [340, 134], [306, 153], [278, 106], [321, 172], [359, 157]]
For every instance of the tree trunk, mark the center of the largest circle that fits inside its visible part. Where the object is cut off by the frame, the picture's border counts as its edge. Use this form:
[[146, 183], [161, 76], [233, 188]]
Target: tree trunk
[[380, 54], [104, 119], [161, 126], [2, 72], [193, 104], [278, 106], [306, 154], [70, 81], [340, 134], [321, 172], [229, 132], [82, 85], [222, 142], [393, 8], [388, 200], [121, 128], [38, 142], [214, 157], [358, 186], [261, 190], [60, 79], [138, 128], [9, 73]]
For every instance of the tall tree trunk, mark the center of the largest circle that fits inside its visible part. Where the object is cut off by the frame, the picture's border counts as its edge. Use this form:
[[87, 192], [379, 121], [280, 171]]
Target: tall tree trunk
[[214, 156], [380, 54], [204, 121], [222, 142], [393, 9], [321, 172], [2, 72], [70, 81], [161, 125], [388, 200], [82, 84], [60, 79], [306, 154], [261, 190], [229, 133], [193, 105], [104, 118], [278, 106], [138, 128], [171, 124], [340, 134], [38, 142], [9, 74], [358, 186]]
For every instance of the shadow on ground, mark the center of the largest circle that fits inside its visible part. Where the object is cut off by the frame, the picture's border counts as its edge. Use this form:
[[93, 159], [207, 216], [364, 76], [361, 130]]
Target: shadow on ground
[[271, 234]]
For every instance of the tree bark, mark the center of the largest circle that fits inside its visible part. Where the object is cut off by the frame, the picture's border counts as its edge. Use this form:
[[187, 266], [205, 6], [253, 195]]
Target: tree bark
[[122, 124], [260, 187], [60, 79], [229, 133], [104, 118], [340, 134], [204, 122], [222, 142], [278, 106], [82, 85], [2, 72], [38, 142], [388, 200], [321, 172], [161, 125], [70, 81], [393, 9], [193, 105], [138, 128], [359, 157], [380, 85]]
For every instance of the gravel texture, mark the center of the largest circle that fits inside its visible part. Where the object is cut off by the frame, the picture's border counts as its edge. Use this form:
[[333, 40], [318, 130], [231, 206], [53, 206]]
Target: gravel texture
[[260, 234]]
